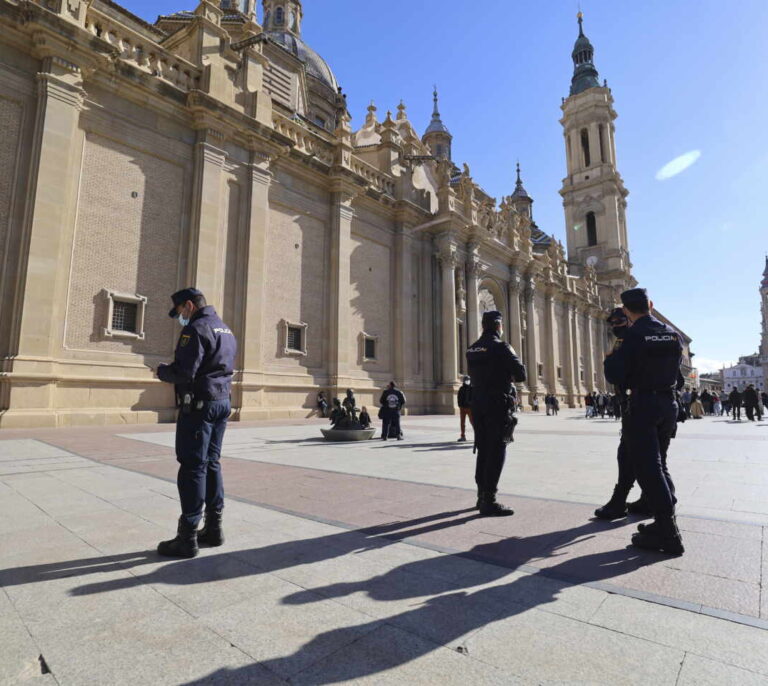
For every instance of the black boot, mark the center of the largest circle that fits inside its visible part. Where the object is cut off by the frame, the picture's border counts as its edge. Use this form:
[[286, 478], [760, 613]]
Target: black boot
[[663, 536], [479, 499], [651, 528], [490, 508], [211, 533], [639, 507], [185, 543], [616, 507]]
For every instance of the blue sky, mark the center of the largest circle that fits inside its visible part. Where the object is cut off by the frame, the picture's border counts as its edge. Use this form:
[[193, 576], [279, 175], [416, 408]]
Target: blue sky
[[688, 75]]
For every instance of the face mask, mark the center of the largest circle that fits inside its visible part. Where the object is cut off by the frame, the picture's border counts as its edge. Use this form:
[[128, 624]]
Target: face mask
[[466, 383], [183, 321]]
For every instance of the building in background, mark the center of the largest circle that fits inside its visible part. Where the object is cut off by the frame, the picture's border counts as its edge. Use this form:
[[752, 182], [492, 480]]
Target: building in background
[[208, 149], [747, 371]]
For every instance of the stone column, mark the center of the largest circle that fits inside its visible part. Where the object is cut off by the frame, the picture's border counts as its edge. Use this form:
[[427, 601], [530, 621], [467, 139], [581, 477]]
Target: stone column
[[473, 271], [571, 373], [553, 350], [590, 352], [532, 333], [578, 333], [448, 262], [514, 323], [340, 273], [207, 208], [403, 302], [251, 345], [49, 225]]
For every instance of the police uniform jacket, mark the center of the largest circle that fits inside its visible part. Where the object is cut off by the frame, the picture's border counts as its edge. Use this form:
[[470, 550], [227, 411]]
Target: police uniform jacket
[[392, 399], [493, 367], [465, 396], [205, 358], [648, 358]]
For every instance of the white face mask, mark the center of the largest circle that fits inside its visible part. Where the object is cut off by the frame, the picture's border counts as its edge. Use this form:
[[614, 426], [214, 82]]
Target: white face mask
[[183, 321]]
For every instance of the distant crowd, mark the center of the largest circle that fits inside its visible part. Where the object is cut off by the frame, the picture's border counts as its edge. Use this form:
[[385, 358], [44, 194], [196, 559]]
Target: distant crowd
[[697, 405]]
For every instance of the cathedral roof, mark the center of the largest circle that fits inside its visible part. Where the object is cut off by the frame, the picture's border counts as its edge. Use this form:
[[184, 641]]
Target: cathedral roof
[[585, 74], [316, 66], [520, 191]]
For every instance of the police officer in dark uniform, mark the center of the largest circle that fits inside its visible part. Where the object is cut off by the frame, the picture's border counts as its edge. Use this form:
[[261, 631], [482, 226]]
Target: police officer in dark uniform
[[202, 374], [647, 363], [493, 367]]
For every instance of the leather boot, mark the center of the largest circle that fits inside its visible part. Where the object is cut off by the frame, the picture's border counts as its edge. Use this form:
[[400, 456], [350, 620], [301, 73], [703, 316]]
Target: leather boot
[[616, 507], [185, 543], [651, 528], [639, 507], [211, 534], [479, 499], [490, 508], [664, 536]]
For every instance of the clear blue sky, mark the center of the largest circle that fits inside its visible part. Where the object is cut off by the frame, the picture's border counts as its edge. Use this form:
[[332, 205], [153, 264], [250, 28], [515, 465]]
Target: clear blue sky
[[686, 75]]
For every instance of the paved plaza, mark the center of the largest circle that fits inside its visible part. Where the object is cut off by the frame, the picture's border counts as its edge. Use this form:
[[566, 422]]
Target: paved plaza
[[366, 562]]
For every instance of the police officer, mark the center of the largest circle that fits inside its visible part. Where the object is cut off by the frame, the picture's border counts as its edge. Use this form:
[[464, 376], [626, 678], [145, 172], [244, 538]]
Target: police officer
[[202, 375], [493, 366], [646, 362]]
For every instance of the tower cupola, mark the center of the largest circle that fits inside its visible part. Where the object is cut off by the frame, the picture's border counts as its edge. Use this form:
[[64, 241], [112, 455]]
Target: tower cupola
[[585, 74], [437, 137], [283, 15]]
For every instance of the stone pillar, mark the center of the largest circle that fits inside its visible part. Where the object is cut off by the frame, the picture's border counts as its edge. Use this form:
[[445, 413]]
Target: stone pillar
[[578, 334], [403, 302], [553, 350], [207, 208], [340, 271], [571, 372], [49, 223], [514, 323], [532, 333], [448, 262], [590, 353], [251, 343], [473, 317]]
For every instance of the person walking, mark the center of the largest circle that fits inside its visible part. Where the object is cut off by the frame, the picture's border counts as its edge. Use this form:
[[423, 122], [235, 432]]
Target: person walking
[[555, 405], [464, 401], [647, 362], [717, 406], [493, 367], [588, 405], [735, 399], [392, 402], [697, 408], [202, 375], [752, 403]]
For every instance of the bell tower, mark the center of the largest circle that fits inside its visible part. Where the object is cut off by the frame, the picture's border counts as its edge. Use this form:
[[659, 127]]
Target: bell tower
[[437, 137], [594, 197], [283, 15]]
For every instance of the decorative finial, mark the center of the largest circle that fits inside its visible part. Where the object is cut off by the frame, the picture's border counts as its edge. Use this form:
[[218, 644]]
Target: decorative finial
[[580, 17], [435, 111], [519, 180], [401, 115], [371, 118]]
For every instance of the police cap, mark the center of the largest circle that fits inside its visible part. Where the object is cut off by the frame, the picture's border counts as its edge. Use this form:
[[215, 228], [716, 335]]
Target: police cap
[[635, 296], [490, 318], [617, 317], [180, 297]]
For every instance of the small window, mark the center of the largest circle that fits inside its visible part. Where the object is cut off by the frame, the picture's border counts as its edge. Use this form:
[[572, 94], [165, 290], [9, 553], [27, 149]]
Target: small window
[[541, 369], [294, 338], [125, 315], [581, 375], [601, 130], [559, 372], [591, 229], [369, 347], [279, 16], [321, 122]]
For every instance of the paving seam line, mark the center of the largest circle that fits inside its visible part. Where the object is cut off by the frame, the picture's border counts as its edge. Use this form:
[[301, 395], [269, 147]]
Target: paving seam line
[[655, 598]]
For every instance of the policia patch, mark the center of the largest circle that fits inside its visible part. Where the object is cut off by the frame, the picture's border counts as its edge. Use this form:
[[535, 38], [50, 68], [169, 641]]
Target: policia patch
[[184, 339]]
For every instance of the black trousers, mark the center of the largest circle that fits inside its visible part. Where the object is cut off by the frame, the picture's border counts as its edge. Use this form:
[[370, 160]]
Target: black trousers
[[199, 435], [737, 411], [390, 422], [491, 449], [649, 429]]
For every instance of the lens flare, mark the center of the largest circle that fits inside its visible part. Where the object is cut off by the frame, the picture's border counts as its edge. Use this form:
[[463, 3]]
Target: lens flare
[[678, 165]]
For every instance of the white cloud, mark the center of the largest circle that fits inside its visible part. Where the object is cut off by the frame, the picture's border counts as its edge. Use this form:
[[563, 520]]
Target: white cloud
[[706, 365], [678, 165]]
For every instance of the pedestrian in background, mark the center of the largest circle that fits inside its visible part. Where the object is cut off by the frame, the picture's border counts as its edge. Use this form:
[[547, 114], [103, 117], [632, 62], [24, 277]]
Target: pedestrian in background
[[464, 401]]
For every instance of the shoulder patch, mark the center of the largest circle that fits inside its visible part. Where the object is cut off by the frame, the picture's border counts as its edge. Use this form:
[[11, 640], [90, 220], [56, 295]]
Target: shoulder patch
[[617, 344], [185, 338]]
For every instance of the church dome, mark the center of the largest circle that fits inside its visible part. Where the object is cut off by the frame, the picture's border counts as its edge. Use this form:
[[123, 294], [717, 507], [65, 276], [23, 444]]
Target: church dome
[[316, 66]]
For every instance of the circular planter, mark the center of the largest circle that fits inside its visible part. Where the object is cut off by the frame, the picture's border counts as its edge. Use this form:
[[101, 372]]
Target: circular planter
[[348, 434]]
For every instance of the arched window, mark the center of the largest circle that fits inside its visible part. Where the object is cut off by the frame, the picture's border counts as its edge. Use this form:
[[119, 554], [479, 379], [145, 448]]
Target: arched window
[[279, 16], [601, 131], [591, 229], [585, 147]]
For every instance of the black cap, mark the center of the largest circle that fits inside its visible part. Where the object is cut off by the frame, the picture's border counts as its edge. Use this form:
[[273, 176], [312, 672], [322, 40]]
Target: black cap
[[180, 297], [635, 296], [490, 318], [617, 317]]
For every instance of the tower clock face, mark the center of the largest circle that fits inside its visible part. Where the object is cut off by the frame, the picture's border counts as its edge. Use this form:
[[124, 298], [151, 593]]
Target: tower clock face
[[592, 260]]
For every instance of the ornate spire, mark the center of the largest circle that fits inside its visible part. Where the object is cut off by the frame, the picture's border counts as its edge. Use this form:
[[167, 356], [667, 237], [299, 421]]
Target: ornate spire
[[764, 284], [436, 125], [401, 113], [520, 191], [585, 74]]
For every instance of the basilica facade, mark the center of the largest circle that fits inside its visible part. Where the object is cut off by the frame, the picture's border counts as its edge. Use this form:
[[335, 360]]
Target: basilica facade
[[209, 149]]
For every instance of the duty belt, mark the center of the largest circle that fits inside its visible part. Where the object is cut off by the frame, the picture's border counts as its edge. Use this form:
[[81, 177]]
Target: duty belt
[[653, 391]]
